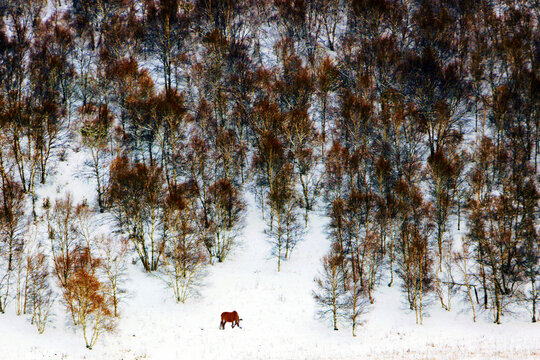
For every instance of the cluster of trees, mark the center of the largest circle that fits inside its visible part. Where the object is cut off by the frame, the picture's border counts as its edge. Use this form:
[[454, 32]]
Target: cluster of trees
[[397, 117], [58, 252], [89, 268], [436, 118]]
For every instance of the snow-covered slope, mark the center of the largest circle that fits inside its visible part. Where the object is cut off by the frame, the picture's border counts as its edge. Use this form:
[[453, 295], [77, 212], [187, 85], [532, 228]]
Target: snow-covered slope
[[277, 308]]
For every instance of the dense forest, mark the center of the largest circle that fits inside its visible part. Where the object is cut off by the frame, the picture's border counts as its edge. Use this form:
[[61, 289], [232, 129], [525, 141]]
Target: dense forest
[[404, 121]]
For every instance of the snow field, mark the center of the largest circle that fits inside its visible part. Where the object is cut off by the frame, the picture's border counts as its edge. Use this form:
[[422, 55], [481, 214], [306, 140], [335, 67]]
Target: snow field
[[278, 314]]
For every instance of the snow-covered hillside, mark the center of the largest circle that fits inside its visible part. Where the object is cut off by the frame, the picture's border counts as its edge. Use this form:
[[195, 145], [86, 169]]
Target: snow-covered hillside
[[278, 312], [394, 117]]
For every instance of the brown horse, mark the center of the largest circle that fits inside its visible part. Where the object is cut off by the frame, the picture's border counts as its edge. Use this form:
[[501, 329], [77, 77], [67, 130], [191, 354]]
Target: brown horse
[[231, 317]]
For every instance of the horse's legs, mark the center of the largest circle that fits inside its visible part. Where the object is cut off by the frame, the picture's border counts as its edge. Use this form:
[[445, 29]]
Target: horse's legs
[[222, 325]]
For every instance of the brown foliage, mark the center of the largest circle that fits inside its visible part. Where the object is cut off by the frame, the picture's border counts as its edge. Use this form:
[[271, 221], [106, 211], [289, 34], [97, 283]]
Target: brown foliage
[[87, 300]]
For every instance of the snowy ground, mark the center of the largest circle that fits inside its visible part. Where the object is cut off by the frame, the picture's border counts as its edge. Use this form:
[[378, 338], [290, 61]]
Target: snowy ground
[[278, 313], [278, 319], [278, 310]]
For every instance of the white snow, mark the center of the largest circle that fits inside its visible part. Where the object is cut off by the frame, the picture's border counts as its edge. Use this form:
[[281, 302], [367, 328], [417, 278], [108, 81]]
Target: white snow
[[277, 309]]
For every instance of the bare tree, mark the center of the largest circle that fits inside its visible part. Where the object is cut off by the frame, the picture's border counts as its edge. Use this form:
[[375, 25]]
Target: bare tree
[[167, 26], [64, 236], [283, 229], [461, 259], [326, 80], [530, 236], [184, 256], [136, 198], [96, 136], [415, 262], [11, 232], [40, 295], [302, 140], [330, 293], [229, 17], [356, 302], [332, 14], [494, 240], [113, 253], [224, 219], [21, 269]]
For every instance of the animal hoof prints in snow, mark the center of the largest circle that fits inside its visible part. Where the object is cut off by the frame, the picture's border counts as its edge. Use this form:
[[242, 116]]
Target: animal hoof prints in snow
[[231, 317]]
